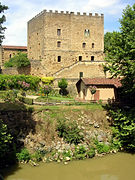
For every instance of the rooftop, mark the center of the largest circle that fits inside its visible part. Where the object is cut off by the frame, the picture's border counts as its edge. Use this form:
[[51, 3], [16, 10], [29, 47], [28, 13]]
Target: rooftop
[[102, 81], [14, 47]]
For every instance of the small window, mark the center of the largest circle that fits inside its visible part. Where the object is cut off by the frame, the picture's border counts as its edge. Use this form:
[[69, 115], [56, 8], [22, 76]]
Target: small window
[[58, 32], [80, 58], [87, 33], [81, 74], [83, 45], [10, 55], [59, 58], [58, 43], [92, 58], [92, 45]]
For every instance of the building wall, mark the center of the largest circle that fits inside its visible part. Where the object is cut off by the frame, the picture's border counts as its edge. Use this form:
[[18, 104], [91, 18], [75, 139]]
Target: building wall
[[43, 38], [6, 54], [105, 92], [89, 69]]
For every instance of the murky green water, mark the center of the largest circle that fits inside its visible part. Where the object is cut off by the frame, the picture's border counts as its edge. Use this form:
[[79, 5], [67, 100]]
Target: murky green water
[[111, 167]]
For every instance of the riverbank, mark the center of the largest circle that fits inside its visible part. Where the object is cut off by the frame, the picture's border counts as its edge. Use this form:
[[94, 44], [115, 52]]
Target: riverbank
[[60, 133]]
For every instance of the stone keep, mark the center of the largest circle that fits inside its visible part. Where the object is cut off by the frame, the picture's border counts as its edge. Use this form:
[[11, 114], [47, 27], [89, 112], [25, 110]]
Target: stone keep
[[60, 40]]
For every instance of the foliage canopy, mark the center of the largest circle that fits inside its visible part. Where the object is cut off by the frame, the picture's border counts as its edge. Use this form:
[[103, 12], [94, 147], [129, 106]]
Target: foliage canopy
[[120, 50], [19, 60], [2, 20]]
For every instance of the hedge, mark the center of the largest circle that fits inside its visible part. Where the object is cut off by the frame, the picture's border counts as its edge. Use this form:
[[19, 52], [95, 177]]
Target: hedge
[[19, 82]]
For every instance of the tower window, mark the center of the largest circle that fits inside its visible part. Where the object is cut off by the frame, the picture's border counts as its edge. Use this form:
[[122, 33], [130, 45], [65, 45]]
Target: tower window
[[83, 45], [92, 58], [87, 33], [59, 58], [58, 43], [81, 74], [92, 45], [80, 58], [58, 32]]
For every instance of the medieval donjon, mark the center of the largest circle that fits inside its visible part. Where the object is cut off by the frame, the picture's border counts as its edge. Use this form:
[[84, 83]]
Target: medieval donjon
[[65, 44]]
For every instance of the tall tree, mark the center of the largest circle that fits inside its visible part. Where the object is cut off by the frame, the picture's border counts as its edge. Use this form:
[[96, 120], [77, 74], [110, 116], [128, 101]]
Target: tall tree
[[2, 20], [120, 55]]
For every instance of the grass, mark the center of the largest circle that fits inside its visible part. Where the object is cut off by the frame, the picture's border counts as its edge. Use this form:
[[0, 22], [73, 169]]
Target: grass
[[53, 99]]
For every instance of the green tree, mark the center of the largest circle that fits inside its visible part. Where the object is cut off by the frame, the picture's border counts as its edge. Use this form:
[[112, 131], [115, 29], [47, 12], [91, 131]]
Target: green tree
[[6, 145], [2, 20], [120, 55], [19, 60], [62, 84]]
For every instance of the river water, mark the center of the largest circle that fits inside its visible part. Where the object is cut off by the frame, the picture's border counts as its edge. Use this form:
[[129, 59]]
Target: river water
[[119, 166]]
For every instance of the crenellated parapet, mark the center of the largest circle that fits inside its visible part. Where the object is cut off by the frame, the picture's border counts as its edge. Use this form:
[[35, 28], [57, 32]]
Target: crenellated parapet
[[56, 12]]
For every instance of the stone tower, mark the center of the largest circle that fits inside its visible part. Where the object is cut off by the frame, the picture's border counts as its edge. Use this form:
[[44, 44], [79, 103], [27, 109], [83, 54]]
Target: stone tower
[[59, 40]]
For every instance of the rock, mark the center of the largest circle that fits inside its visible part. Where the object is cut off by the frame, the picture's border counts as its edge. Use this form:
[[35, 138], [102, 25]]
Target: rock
[[100, 138], [81, 133], [91, 122], [42, 143], [67, 158], [65, 163], [83, 127], [96, 125]]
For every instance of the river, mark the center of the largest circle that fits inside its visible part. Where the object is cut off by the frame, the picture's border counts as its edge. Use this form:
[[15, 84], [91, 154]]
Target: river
[[120, 166]]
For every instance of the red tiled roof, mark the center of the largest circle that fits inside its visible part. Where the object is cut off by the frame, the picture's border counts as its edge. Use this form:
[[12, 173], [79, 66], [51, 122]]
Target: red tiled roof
[[15, 47], [102, 81]]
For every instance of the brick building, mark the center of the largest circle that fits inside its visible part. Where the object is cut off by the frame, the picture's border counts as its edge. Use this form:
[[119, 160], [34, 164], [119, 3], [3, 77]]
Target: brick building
[[7, 52], [66, 44]]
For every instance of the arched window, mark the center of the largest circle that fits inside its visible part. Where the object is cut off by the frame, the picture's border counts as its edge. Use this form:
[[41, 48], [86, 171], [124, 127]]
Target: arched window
[[83, 45], [58, 32], [87, 33], [58, 43], [92, 45]]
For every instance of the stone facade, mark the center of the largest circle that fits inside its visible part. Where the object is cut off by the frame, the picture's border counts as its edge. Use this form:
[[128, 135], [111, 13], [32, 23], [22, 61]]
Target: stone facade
[[60, 40], [7, 52], [105, 89]]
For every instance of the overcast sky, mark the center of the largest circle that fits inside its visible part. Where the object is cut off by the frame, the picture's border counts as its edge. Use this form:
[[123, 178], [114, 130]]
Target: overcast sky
[[21, 11]]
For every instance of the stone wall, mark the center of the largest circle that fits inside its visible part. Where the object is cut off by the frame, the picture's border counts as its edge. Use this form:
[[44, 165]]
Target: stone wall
[[43, 39], [7, 52], [89, 69], [16, 71]]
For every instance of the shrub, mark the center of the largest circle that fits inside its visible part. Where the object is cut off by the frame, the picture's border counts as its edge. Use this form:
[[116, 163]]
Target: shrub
[[91, 152], [69, 131], [47, 90], [24, 155], [16, 82], [6, 144], [101, 147], [47, 80], [37, 156], [124, 127], [80, 152], [10, 96], [19, 60], [25, 100], [62, 84]]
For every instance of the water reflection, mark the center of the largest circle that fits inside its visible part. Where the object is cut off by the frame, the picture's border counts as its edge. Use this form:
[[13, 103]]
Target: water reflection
[[111, 167], [109, 177]]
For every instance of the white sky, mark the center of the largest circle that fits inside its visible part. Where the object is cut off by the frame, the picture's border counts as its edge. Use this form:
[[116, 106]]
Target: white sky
[[21, 11]]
